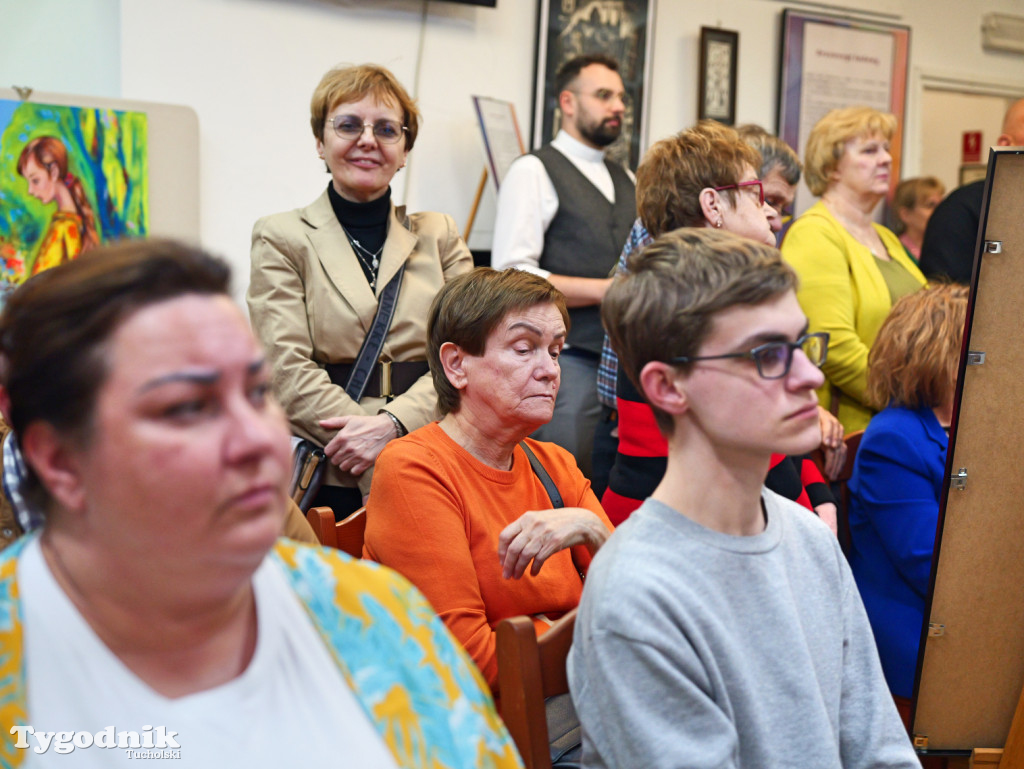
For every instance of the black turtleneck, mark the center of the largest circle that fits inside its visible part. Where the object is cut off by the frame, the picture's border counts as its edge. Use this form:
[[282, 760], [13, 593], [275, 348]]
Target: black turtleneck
[[365, 222]]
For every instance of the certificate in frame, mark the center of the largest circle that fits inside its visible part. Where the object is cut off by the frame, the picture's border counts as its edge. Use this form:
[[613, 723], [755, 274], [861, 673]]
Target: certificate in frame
[[832, 61], [719, 54]]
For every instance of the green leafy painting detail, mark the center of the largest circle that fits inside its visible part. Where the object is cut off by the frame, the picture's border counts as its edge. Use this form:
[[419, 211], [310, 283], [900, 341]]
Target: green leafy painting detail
[[106, 152]]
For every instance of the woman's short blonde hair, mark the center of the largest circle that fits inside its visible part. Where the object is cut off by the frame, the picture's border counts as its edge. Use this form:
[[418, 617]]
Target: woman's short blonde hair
[[675, 170], [911, 193], [915, 357], [348, 84], [827, 142]]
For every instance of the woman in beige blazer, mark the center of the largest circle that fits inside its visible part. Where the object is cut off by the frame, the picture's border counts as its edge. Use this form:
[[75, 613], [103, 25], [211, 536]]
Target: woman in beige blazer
[[318, 273]]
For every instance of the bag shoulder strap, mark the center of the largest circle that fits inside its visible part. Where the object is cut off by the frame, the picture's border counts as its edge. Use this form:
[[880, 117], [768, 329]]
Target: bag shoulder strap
[[545, 479], [369, 353]]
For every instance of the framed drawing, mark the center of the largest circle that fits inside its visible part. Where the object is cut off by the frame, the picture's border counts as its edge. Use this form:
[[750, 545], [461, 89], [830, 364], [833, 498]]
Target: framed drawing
[[830, 62], [719, 52], [618, 28]]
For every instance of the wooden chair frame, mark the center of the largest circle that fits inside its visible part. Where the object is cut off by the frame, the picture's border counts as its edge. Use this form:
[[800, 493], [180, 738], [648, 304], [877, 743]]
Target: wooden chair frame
[[346, 535], [531, 669]]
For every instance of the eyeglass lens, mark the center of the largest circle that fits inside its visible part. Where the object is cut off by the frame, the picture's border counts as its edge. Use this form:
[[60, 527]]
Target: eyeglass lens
[[774, 359], [606, 95], [754, 185], [352, 127]]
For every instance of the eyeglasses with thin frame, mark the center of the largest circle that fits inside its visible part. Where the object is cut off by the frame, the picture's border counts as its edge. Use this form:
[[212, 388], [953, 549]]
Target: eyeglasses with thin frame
[[774, 359], [351, 128], [740, 185], [606, 95]]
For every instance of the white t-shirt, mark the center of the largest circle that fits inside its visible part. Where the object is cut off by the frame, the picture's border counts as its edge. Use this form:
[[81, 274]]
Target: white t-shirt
[[290, 707]]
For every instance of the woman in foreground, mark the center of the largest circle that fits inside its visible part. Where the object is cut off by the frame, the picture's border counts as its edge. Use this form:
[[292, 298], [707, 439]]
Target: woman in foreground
[[157, 596], [457, 507]]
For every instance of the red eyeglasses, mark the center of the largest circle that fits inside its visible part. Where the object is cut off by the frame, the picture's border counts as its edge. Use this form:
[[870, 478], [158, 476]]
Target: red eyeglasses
[[740, 185]]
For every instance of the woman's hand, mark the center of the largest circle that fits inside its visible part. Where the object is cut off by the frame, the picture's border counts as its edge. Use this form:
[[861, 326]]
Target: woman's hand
[[358, 441], [832, 443], [538, 534]]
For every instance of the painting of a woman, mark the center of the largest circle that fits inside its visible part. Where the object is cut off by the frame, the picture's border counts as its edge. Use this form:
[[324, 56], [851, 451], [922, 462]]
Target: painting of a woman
[[72, 229]]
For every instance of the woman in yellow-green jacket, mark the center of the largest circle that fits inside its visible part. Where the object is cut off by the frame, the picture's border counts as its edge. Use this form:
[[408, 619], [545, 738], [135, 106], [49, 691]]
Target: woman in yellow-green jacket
[[851, 269]]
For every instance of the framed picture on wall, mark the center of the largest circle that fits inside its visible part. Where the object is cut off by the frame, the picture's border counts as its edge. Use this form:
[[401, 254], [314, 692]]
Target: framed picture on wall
[[621, 29], [719, 52], [830, 62], [972, 172]]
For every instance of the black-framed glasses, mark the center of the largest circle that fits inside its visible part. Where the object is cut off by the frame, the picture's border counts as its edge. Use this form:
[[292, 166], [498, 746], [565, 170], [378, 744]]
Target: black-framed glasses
[[351, 128], [742, 185], [606, 95], [774, 359]]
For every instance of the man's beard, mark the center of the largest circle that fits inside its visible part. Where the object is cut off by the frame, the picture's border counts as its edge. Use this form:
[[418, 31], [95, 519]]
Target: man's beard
[[602, 134]]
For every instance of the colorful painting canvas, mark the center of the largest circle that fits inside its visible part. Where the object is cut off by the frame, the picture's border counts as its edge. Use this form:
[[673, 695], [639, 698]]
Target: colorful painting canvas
[[70, 178]]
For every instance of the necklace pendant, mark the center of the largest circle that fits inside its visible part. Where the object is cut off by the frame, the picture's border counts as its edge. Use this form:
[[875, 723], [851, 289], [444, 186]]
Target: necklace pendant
[[375, 263]]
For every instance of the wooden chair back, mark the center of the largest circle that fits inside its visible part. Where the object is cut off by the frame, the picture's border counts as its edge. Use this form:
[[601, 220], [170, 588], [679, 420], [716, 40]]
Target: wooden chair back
[[531, 669], [852, 442], [346, 535]]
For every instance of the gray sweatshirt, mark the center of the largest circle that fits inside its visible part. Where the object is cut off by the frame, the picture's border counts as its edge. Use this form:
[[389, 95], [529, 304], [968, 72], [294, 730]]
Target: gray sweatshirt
[[695, 648]]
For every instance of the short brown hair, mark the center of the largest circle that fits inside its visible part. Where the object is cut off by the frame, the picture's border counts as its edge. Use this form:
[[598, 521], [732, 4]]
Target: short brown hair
[[55, 328], [911, 193], [827, 142], [915, 357], [664, 306], [348, 84], [468, 308], [675, 170]]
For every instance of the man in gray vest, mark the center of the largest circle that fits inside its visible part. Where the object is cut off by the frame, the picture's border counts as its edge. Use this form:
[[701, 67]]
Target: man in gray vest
[[564, 212]]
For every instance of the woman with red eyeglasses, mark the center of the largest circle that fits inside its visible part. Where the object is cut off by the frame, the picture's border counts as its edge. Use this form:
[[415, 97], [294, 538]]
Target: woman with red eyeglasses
[[702, 177]]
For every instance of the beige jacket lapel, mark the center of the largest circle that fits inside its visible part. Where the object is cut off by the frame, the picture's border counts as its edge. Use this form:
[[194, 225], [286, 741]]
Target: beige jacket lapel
[[338, 260], [397, 248]]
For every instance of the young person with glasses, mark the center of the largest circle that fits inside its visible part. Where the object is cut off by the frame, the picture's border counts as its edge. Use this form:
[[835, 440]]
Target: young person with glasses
[[720, 625], [702, 177], [319, 274]]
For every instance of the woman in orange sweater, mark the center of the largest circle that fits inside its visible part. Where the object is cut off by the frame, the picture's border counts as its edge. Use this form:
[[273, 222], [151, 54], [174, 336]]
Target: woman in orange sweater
[[458, 507]]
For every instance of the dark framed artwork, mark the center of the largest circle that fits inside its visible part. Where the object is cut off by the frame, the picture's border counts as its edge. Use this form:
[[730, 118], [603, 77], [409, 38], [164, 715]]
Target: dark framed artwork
[[619, 28], [833, 61], [719, 53]]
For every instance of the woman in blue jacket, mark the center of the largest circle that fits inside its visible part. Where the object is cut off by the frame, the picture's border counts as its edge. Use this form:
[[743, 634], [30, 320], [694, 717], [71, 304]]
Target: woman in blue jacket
[[897, 476]]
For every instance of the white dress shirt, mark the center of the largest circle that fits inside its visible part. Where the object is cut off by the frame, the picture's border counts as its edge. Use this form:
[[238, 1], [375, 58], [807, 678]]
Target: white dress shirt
[[527, 203]]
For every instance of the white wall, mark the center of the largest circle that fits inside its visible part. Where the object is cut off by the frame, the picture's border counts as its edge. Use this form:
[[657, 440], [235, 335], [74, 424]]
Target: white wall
[[61, 46], [248, 68]]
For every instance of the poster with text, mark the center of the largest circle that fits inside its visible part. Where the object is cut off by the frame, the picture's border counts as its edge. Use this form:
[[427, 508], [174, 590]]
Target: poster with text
[[828, 63]]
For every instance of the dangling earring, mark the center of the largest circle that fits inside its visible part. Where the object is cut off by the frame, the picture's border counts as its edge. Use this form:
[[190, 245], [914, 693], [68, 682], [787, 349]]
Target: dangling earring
[[719, 224]]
